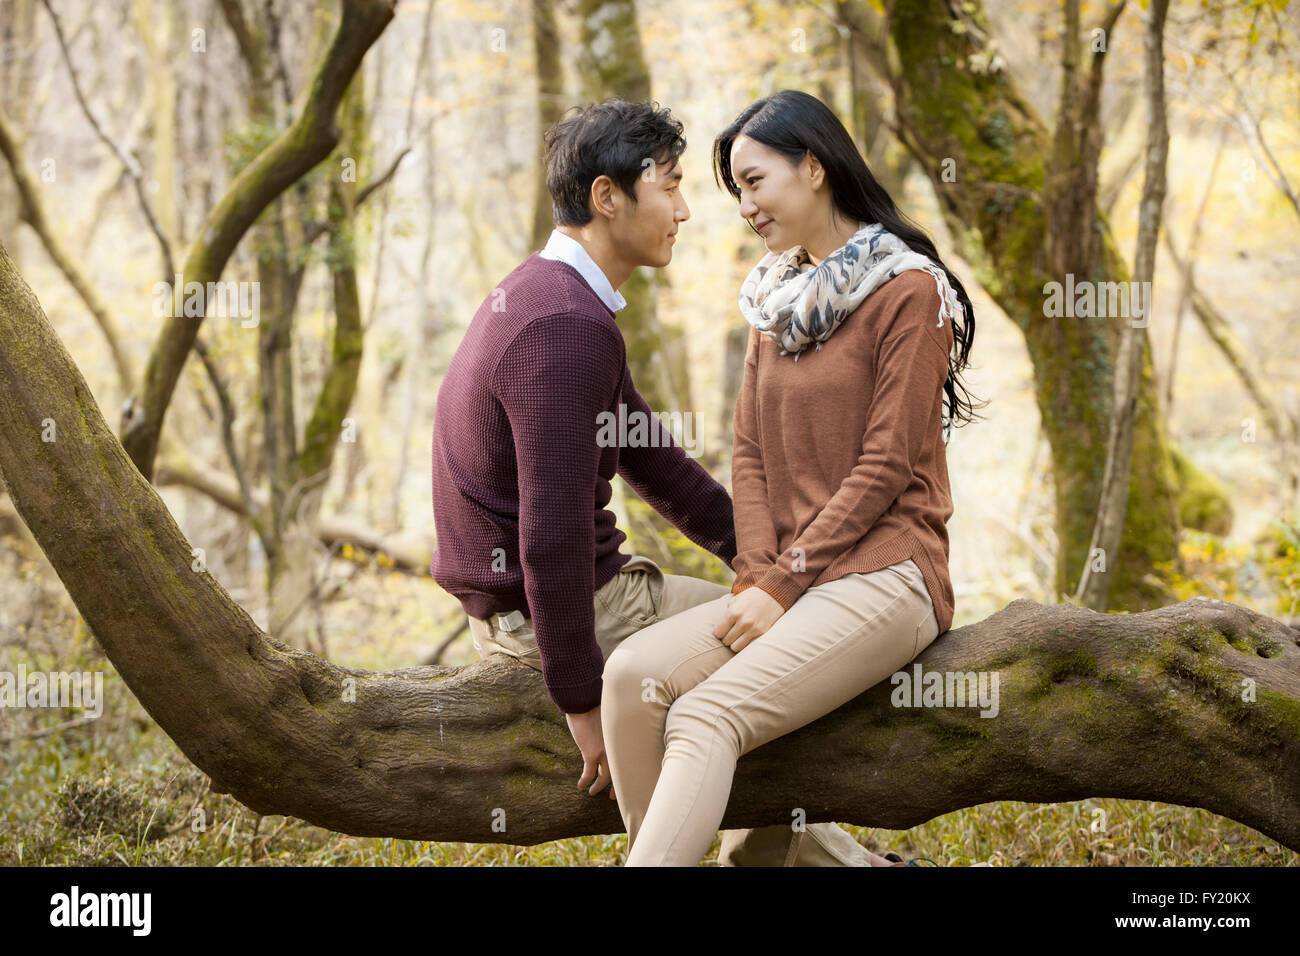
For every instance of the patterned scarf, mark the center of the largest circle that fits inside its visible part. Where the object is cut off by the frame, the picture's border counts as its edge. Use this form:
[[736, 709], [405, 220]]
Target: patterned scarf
[[796, 303]]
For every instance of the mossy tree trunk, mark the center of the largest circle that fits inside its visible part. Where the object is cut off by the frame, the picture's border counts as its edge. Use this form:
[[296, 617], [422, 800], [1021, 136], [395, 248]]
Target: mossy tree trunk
[[611, 63], [1195, 704], [1094, 583], [310, 138], [297, 460], [1020, 202], [550, 107]]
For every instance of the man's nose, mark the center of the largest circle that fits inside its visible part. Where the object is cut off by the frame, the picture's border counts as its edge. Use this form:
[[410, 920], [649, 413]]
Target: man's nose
[[684, 212]]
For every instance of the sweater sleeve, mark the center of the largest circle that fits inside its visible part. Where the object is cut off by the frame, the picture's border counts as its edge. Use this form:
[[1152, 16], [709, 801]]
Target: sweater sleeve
[[911, 368], [756, 541], [675, 484], [553, 380]]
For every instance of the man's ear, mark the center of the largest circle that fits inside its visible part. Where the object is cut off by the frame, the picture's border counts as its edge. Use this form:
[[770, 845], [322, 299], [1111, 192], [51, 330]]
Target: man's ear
[[603, 201]]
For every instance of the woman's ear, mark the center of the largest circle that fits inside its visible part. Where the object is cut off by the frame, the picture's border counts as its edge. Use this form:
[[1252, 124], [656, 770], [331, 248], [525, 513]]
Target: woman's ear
[[816, 173]]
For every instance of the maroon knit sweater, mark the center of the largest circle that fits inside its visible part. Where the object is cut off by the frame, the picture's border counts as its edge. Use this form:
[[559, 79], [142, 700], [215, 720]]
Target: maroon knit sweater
[[520, 482]]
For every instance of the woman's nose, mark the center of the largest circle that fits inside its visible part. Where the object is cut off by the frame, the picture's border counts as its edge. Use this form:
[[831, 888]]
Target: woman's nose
[[747, 208]]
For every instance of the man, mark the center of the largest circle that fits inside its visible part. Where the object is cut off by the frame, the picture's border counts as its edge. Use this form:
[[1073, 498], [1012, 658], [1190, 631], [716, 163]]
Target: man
[[521, 471]]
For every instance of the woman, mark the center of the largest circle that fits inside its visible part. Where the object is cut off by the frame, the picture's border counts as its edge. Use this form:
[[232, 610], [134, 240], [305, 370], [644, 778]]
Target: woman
[[838, 475]]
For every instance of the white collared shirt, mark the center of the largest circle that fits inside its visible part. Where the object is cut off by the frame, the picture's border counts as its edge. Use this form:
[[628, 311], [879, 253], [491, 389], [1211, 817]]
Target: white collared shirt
[[567, 249]]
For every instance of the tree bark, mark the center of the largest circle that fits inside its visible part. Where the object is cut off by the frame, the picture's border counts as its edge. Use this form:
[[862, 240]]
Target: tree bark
[[1143, 706]]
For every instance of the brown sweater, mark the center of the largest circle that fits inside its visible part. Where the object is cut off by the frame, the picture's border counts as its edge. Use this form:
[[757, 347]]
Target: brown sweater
[[839, 463]]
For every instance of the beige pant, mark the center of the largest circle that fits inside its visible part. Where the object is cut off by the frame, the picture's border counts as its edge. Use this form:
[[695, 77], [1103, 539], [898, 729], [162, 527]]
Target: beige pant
[[640, 595], [679, 708]]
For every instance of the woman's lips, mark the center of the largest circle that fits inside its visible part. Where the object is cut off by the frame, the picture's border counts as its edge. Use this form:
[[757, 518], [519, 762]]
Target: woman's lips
[[762, 226]]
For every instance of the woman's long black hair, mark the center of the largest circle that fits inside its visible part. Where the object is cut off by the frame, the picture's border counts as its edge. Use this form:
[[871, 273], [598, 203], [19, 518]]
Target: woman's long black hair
[[792, 123]]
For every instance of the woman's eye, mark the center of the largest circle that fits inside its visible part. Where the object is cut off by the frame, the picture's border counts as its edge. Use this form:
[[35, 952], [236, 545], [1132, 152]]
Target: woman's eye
[[753, 179]]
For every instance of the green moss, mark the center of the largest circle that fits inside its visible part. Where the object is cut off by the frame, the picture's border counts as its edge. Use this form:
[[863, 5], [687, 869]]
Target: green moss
[[956, 740], [1221, 686], [1280, 714], [998, 132], [1079, 663]]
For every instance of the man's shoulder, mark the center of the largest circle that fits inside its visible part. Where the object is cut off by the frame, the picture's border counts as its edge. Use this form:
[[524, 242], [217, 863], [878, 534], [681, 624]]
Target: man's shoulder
[[544, 286], [548, 292], [543, 313]]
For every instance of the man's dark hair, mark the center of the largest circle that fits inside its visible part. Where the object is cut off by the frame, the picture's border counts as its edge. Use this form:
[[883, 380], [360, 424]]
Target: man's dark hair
[[613, 139]]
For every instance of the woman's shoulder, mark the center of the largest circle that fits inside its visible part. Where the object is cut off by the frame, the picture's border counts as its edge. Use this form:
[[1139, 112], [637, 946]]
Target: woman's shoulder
[[914, 288], [909, 300]]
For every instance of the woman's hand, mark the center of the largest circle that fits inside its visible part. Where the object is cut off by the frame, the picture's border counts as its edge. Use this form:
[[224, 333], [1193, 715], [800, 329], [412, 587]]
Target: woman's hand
[[750, 614]]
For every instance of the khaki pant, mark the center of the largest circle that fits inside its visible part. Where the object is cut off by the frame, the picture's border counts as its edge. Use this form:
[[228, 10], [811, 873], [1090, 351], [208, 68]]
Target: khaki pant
[[679, 708], [640, 595]]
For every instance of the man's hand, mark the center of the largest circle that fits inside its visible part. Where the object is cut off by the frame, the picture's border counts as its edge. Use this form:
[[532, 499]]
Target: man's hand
[[750, 614], [589, 737]]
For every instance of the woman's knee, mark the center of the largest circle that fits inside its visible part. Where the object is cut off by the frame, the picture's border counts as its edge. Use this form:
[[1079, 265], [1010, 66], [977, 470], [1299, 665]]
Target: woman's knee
[[622, 670], [696, 718], [632, 674]]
